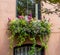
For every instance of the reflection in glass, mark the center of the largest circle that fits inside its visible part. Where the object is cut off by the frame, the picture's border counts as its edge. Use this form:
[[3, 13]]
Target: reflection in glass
[[26, 7]]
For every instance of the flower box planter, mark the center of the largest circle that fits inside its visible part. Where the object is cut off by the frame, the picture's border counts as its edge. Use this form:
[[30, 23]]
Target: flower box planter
[[28, 32]]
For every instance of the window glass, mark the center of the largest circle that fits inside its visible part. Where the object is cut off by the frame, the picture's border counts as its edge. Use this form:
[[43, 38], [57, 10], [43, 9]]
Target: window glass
[[28, 7], [24, 50]]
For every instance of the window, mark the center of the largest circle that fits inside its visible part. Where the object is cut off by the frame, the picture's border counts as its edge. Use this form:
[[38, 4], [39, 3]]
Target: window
[[29, 7], [23, 50]]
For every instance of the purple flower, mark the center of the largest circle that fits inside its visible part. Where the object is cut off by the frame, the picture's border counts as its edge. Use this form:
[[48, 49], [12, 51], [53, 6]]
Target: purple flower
[[29, 18], [30, 15], [9, 19]]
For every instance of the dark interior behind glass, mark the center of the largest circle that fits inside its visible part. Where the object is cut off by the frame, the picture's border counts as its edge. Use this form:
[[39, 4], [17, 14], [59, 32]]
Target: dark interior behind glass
[[27, 7]]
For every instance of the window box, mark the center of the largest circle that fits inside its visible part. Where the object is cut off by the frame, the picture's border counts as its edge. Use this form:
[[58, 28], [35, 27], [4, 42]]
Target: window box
[[21, 30]]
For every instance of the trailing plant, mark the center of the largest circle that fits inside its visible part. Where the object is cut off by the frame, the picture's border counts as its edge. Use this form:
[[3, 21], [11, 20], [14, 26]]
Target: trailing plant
[[20, 30], [54, 1]]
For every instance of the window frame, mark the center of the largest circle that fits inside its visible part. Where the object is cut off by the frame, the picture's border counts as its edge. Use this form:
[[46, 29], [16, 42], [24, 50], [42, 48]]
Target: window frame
[[39, 9]]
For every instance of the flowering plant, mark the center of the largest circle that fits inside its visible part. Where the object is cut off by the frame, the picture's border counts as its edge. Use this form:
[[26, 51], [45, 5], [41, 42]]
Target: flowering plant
[[22, 29]]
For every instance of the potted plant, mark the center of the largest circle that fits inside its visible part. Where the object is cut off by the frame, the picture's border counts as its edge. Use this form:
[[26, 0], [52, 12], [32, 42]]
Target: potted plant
[[20, 30]]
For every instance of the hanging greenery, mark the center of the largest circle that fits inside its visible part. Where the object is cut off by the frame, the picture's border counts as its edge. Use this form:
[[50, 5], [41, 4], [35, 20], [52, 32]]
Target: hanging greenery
[[54, 1], [21, 29]]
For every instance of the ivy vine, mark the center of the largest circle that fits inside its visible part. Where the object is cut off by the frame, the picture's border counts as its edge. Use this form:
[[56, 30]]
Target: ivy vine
[[21, 29]]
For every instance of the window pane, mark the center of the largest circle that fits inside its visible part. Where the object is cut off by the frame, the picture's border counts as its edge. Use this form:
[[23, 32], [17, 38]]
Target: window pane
[[24, 50], [28, 7]]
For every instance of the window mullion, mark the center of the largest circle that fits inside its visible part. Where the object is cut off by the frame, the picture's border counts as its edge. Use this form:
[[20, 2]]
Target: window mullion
[[21, 50], [26, 50]]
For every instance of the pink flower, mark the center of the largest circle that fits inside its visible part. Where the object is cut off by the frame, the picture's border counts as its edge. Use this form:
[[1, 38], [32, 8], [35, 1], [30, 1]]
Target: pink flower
[[49, 20], [29, 18], [9, 19], [21, 17]]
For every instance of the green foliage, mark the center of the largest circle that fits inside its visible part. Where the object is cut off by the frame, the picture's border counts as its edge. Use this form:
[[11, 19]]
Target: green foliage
[[21, 29], [54, 1], [22, 6]]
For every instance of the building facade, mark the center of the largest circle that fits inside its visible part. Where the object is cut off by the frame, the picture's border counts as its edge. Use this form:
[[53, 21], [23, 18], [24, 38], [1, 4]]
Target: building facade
[[8, 9]]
